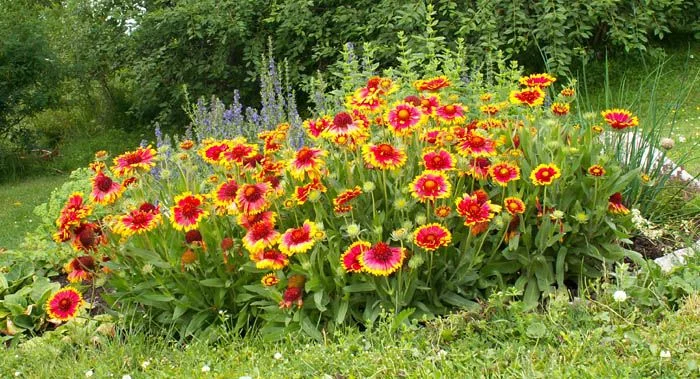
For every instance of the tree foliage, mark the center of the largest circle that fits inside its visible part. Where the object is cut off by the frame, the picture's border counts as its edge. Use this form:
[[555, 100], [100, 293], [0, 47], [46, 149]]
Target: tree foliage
[[29, 70]]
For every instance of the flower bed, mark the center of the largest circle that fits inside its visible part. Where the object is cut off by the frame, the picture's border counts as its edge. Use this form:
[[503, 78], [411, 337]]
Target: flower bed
[[416, 197]]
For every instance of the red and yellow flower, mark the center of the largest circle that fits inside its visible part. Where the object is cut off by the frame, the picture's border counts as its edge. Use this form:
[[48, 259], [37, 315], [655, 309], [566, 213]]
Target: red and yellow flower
[[253, 198], [224, 195], [269, 259], [247, 220], [269, 280], [479, 168], [88, 237], [80, 268], [383, 156], [64, 304], [105, 191], [428, 105], [545, 174], [344, 124], [142, 159], [561, 109], [188, 211], [620, 119], [432, 84], [451, 113], [430, 185], [476, 144], [538, 80], [382, 259], [314, 128], [350, 259], [432, 236], [531, 96], [438, 160], [260, 236], [443, 211], [404, 118], [307, 161], [298, 240], [504, 172], [568, 92], [340, 202], [301, 193], [476, 209], [514, 205], [596, 170], [144, 219], [615, 205]]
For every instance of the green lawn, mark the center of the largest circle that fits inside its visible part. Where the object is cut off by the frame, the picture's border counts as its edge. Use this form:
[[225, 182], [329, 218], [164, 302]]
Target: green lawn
[[566, 341], [18, 201]]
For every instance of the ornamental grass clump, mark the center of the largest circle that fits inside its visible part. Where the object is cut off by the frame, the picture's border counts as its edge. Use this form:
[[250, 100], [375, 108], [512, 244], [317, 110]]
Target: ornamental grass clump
[[424, 195]]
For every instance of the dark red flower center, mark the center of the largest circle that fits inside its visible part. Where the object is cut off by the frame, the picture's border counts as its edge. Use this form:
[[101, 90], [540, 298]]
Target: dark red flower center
[[292, 294], [299, 235], [133, 158], [260, 230], [304, 155], [103, 183], [252, 193], [342, 120], [381, 252], [385, 150], [148, 208], [65, 304]]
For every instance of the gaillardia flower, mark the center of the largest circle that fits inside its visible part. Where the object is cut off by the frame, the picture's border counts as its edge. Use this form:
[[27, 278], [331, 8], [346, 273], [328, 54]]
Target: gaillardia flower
[[538, 80], [514, 205], [432, 236], [144, 219], [432, 84], [224, 195], [438, 160], [620, 119], [430, 185], [260, 236], [104, 190], [560, 109], [443, 211], [383, 156], [188, 211], [404, 118], [351, 257], [476, 144], [615, 205], [247, 220], [252, 198], [64, 304], [307, 161], [382, 259], [531, 96], [298, 240], [269, 259], [596, 170], [80, 268], [476, 209], [451, 113], [504, 172], [269, 280], [545, 174], [142, 159]]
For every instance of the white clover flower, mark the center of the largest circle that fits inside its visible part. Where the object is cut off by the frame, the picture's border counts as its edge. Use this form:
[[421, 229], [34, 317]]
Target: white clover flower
[[127, 376], [89, 373], [681, 139], [145, 364], [665, 354], [277, 356], [206, 368], [17, 373], [620, 296]]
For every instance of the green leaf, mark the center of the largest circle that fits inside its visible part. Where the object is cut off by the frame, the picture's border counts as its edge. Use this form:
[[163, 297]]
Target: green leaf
[[536, 330], [342, 311], [560, 266], [459, 301], [359, 287], [401, 318], [309, 328], [213, 282]]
